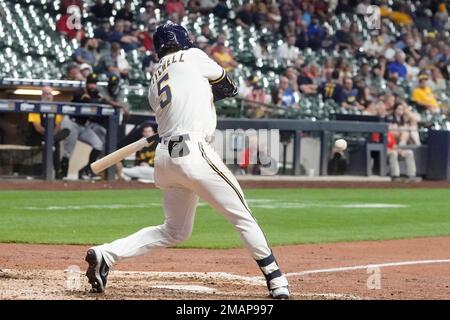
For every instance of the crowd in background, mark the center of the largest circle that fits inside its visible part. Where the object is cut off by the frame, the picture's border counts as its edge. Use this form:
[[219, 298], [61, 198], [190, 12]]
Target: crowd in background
[[394, 77]]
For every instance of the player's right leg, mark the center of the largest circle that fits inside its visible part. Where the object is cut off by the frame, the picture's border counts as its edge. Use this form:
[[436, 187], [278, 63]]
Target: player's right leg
[[215, 184], [179, 209]]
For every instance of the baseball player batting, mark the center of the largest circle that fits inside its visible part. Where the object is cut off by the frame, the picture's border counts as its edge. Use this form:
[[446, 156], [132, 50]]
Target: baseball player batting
[[182, 93]]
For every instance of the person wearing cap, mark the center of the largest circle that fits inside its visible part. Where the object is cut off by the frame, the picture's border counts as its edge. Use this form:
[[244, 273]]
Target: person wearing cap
[[85, 70], [36, 130], [85, 129], [423, 95]]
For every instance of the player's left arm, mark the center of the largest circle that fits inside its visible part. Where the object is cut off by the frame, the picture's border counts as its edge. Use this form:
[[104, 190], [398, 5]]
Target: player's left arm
[[221, 84], [223, 88]]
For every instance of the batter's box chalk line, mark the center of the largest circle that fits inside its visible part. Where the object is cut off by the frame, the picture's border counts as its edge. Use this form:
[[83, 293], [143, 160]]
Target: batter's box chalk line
[[259, 280]]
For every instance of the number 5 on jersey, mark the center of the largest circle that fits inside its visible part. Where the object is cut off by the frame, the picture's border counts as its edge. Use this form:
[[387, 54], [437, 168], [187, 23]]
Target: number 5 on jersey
[[163, 87]]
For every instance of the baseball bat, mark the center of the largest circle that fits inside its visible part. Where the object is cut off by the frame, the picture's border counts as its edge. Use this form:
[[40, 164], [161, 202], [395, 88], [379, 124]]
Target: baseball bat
[[120, 154]]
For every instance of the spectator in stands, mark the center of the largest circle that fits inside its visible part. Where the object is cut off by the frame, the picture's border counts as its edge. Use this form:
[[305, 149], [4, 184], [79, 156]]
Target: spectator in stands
[[261, 50], [257, 94], [203, 44], [87, 52], [146, 37], [73, 72], [409, 47], [68, 27], [388, 100], [246, 87], [288, 50], [207, 6], [86, 129], [344, 6], [143, 169], [302, 38], [193, 7], [36, 131], [221, 10], [401, 15], [207, 33], [103, 30], [365, 72], [101, 10], [260, 12], [65, 4], [403, 124], [284, 96], [126, 13], [126, 41], [114, 63], [343, 38], [114, 94], [333, 89], [175, 6], [412, 70], [315, 34], [273, 17], [85, 70], [364, 96], [223, 57], [437, 82], [244, 16], [350, 95], [150, 63], [394, 153], [423, 95], [292, 75], [305, 81], [363, 7], [397, 68], [373, 46], [255, 98], [149, 13]]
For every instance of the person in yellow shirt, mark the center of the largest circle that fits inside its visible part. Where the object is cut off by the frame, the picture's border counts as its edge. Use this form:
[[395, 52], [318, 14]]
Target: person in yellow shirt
[[36, 130], [223, 57], [423, 95]]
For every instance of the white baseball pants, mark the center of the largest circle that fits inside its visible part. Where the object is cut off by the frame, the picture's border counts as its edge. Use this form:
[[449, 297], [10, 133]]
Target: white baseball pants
[[139, 172], [183, 180]]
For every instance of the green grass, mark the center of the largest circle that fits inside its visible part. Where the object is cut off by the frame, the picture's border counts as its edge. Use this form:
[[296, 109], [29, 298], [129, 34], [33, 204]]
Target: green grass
[[287, 216]]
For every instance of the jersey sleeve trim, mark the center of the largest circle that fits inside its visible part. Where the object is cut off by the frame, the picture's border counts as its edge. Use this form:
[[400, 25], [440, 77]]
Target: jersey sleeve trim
[[218, 79]]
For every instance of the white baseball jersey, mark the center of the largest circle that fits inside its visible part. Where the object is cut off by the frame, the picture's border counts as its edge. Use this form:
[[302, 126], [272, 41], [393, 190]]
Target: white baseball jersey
[[181, 96], [190, 74]]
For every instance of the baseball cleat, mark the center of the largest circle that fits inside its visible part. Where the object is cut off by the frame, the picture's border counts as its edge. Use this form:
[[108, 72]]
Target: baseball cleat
[[97, 271], [281, 293]]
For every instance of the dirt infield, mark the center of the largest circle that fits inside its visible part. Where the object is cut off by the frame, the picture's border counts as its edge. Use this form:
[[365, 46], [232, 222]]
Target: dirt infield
[[266, 184], [416, 269]]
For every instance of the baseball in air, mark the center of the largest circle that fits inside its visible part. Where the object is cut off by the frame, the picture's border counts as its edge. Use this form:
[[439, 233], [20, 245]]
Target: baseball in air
[[340, 144]]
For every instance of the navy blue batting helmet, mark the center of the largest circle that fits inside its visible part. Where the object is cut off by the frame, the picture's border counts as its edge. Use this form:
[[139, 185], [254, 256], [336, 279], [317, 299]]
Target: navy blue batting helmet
[[170, 37]]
